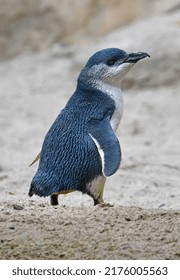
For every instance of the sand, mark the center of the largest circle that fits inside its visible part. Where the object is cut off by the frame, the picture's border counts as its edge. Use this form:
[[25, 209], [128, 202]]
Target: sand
[[39, 231]]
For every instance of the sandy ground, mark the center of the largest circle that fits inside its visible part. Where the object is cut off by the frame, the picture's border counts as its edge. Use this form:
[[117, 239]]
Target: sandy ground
[[145, 220], [39, 231]]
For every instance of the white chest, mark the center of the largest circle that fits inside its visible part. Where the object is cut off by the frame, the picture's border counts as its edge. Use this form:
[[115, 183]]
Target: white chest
[[116, 117], [116, 94]]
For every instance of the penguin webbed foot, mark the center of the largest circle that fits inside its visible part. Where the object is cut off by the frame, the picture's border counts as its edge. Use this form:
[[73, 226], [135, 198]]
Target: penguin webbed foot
[[101, 203], [105, 205]]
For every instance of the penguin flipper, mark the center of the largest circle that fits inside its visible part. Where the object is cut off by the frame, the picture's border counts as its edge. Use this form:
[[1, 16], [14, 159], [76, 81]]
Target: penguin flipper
[[107, 144], [36, 159]]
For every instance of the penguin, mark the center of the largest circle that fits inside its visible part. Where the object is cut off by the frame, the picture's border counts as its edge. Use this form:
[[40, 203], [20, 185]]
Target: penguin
[[81, 149]]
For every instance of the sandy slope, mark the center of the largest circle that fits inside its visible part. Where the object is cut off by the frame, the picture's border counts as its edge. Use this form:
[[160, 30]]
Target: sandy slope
[[33, 90]]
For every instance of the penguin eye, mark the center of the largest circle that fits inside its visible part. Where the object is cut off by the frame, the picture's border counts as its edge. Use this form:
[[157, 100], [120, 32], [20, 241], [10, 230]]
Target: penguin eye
[[111, 61]]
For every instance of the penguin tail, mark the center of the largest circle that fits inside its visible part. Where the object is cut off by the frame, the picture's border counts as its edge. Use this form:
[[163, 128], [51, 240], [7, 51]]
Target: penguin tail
[[40, 190], [43, 184], [31, 192]]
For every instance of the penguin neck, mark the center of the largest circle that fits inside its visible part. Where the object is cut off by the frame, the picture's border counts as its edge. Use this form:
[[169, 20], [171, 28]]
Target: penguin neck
[[112, 91], [115, 93]]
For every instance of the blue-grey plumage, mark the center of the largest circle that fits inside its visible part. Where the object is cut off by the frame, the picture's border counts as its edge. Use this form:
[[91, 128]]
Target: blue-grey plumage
[[81, 149]]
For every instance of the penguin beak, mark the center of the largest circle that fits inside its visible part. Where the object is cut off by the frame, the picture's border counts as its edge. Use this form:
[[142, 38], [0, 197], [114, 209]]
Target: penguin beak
[[134, 57]]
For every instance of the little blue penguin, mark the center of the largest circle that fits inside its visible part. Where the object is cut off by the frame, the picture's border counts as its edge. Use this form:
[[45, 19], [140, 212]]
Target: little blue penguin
[[81, 148]]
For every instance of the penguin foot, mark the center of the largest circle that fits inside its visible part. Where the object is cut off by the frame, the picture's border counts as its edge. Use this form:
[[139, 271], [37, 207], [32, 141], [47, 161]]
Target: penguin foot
[[105, 205], [100, 202], [54, 199]]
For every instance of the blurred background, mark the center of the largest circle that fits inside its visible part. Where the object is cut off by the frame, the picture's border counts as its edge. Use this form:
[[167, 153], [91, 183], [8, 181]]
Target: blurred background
[[37, 25], [43, 46]]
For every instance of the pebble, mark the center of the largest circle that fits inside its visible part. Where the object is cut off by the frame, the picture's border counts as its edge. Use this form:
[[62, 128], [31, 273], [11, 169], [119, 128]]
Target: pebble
[[18, 207]]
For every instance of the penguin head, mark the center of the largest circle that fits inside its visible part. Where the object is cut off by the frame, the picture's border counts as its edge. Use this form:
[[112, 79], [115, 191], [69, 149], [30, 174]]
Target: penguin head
[[109, 66]]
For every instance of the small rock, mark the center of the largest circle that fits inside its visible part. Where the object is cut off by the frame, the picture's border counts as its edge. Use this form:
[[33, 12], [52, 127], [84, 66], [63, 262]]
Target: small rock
[[18, 207], [161, 205], [62, 255], [11, 227], [127, 219], [11, 193]]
